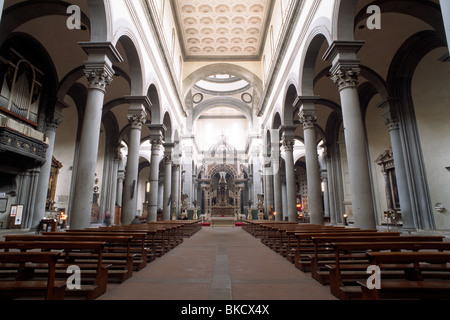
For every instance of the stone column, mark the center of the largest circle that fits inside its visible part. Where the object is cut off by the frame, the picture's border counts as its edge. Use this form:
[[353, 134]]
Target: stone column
[[167, 180], [345, 73], [99, 73], [288, 138], [113, 189], [44, 176], [119, 195], [2, 2], [308, 119], [136, 118], [278, 201], [391, 119], [156, 140], [445, 9], [176, 195]]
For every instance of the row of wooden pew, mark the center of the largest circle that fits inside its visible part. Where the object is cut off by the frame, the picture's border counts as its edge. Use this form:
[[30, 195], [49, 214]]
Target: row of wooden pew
[[410, 266], [46, 265]]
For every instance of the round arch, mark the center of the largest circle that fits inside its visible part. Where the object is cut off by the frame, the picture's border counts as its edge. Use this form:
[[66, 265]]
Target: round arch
[[344, 20], [134, 59], [222, 102]]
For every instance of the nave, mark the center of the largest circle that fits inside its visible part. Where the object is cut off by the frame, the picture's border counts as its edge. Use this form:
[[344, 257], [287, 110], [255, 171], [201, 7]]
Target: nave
[[219, 263]]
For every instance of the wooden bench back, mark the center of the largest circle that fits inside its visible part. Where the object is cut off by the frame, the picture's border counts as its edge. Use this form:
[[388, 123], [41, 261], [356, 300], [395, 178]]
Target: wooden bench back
[[408, 257]]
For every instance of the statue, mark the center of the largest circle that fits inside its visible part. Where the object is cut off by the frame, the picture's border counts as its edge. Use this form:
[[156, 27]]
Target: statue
[[260, 202], [183, 201]]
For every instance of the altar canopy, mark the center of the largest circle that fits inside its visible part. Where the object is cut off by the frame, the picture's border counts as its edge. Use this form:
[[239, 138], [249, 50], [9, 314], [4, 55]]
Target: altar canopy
[[222, 180]]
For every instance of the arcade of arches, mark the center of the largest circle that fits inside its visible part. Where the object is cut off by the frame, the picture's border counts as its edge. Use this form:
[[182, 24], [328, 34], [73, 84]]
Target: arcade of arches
[[254, 109]]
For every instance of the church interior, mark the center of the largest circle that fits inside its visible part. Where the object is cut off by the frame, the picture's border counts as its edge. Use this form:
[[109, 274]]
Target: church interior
[[225, 114]]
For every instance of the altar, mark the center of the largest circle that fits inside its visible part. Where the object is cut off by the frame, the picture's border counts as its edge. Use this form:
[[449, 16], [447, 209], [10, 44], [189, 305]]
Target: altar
[[222, 221]]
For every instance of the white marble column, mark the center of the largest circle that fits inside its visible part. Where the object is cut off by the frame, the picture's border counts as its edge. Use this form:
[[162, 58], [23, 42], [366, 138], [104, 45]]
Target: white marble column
[[288, 138], [136, 118], [308, 119], [44, 175], [99, 75], [392, 121], [345, 73], [156, 140], [167, 180]]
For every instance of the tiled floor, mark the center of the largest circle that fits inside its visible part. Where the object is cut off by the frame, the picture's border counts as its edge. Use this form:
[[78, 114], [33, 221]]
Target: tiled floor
[[221, 263]]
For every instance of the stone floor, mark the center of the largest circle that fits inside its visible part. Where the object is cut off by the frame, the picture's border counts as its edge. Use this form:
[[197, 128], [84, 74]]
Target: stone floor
[[220, 263]]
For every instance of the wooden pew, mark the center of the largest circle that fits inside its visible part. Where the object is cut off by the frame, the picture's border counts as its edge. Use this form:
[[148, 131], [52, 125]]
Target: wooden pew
[[137, 245], [94, 276], [150, 234], [121, 265], [284, 236], [158, 237], [344, 275], [305, 247], [50, 289], [409, 288], [324, 252]]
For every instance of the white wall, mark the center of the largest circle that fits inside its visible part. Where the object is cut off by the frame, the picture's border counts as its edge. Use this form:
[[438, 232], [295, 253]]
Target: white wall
[[431, 97]]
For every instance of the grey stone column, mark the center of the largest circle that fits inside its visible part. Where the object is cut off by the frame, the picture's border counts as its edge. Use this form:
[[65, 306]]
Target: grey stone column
[[176, 196], [136, 118], [445, 9], [44, 176], [167, 180], [345, 73], [156, 140], [99, 78], [119, 195], [2, 2], [99, 73], [278, 201], [330, 187], [308, 119], [288, 138], [392, 121], [113, 189]]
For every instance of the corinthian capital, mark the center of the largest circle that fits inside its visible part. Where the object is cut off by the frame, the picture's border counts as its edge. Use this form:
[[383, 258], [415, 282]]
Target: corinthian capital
[[137, 119], [346, 78], [308, 119], [98, 77], [288, 144]]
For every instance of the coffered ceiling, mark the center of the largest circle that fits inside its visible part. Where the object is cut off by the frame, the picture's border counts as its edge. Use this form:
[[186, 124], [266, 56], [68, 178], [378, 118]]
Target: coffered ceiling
[[222, 29]]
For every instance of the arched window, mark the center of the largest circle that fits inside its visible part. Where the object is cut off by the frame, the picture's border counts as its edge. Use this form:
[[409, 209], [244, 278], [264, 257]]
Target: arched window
[[21, 89]]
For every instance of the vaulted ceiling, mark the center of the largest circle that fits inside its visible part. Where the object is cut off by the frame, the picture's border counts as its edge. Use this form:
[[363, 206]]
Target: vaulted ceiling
[[222, 29]]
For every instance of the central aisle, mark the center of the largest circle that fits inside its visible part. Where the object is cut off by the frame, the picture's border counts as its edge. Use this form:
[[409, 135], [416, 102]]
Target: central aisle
[[221, 263]]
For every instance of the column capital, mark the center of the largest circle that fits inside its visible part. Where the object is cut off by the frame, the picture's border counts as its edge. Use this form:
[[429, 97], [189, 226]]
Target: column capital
[[99, 76], [288, 136], [345, 68], [346, 78], [308, 118], [390, 113], [54, 121], [156, 134], [137, 118], [168, 149]]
